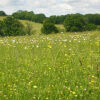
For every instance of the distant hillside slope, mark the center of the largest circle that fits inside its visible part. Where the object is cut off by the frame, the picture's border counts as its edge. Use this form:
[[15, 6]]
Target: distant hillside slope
[[2, 17], [36, 26]]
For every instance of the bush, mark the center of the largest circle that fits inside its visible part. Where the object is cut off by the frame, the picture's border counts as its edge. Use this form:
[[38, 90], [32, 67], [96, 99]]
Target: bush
[[48, 27], [75, 23], [25, 15], [2, 13], [90, 27], [29, 28], [11, 27], [74, 29], [98, 27], [1, 28]]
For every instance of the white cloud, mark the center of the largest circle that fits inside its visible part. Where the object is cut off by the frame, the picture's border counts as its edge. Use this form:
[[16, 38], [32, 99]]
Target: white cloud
[[51, 7], [4, 2]]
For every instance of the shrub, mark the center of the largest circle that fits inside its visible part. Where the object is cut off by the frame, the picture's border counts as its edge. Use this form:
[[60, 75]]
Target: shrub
[[29, 28], [2, 13], [90, 27], [1, 28], [74, 29], [98, 27], [75, 23], [29, 15], [48, 27], [11, 27]]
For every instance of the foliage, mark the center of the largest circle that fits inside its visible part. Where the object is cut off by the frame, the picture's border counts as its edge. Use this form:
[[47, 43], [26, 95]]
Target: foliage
[[11, 27], [93, 18], [25, 15], [58, 19], [74, 22], [90, 27], [31, 16], [98, 27], [29, 28], [90, 18], [48, 27], [1, 28], [2, 13], [39, 18]]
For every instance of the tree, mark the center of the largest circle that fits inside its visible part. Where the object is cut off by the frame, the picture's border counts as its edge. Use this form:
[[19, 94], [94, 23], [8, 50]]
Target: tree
[[39, 18], [58, 19], [93, 18], [90, 27], [2, 13], [25, 15], [11, 27], [1, 28], [48, 27], [75, 22]]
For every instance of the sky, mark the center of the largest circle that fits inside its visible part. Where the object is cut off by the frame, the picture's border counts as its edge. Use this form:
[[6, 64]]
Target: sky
[[51, 7]]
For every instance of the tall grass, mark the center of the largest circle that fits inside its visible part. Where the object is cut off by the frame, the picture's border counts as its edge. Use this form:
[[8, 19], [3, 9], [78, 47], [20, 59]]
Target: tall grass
[[53, 67]]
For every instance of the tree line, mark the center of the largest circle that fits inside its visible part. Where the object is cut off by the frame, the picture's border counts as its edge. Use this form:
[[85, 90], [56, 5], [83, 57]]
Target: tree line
[[11, 26], [39, 18]]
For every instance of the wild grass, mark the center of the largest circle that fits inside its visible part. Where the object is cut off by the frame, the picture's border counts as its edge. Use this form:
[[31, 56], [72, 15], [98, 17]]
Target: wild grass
[[2, 17], [53, 67]]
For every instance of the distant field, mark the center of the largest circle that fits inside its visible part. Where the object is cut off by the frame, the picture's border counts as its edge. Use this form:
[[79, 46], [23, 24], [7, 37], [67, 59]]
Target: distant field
[[36, 26], [1, 17], [53, 67]]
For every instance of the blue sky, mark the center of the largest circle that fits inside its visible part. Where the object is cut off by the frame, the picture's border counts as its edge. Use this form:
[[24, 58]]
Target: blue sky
[[51, 7]]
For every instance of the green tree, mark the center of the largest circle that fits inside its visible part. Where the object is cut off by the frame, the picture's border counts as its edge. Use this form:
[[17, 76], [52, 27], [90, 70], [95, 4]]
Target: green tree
[[93, 18], [49, 27], [2, 13], [90, 27], [58, 19], [39, 18], [75, 22], [1, 28], [25, 15], [11, 27]]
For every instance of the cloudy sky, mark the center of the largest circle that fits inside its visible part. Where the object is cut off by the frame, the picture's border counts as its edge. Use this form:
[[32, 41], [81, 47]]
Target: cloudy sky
[[51, 7]]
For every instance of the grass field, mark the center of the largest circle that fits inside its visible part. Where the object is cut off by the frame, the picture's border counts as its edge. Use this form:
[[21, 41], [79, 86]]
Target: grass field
[[64, 66]]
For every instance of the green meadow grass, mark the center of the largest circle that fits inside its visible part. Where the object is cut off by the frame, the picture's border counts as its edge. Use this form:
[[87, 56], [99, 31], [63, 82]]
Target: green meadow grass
[[53, 67], [2, 17], [63, 66]]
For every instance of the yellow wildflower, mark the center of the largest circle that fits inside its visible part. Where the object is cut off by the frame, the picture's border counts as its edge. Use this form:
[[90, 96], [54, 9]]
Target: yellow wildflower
[[47, 98], [49, 46], [73, 92], [34, 86]]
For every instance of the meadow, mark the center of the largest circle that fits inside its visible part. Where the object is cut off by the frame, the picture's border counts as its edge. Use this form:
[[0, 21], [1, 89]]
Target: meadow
[[63, 66]]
